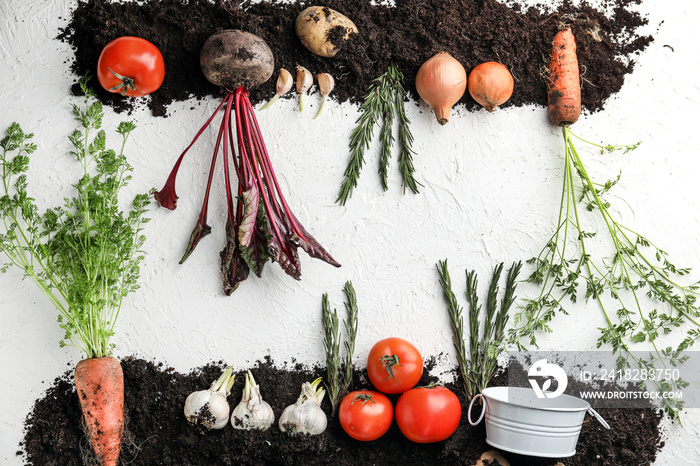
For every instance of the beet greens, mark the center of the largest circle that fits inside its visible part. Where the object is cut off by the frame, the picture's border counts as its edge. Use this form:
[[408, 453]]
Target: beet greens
[[261, 225]]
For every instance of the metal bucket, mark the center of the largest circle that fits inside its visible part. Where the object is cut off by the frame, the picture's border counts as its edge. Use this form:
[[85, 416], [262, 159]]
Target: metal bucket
[[519, 422]]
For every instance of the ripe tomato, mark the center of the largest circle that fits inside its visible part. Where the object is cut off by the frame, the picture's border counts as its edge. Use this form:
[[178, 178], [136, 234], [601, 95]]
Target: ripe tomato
[[394, 365], [428, 414], [365, 414], [130, 66]]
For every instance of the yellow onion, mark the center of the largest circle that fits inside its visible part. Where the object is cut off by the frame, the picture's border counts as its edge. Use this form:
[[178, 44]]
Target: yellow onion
[[490, 84], [441, 82]]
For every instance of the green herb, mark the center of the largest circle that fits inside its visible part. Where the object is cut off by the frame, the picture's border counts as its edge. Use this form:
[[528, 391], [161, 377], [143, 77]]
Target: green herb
[[384, 101], [85, 255], [618, 282], [339, 378], [478, 370]]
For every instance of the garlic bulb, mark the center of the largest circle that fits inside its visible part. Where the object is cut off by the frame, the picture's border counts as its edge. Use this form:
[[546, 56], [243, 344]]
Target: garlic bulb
[[305, 416], [284, 85], [252, 412], [304, 82], [326, 83], [209, 408]]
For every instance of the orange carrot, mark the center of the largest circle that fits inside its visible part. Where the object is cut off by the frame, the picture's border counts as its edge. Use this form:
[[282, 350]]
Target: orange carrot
[[564, 90], [100, 386]]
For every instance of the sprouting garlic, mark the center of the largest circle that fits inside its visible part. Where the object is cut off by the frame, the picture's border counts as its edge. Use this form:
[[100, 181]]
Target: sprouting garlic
[[284, 85], [209, 408], [326, 83], [304, 82], [252, 412], [305, 416]]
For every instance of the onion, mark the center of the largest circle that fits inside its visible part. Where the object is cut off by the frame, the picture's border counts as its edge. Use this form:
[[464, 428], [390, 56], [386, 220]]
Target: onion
[[441, 82], [490, 84]]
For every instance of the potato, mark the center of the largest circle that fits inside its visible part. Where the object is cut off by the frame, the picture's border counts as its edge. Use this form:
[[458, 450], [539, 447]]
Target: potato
[[314, 24]]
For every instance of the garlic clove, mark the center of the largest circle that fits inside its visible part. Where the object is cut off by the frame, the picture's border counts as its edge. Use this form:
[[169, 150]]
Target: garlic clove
[[284, 82], [326, 83], [284, 85], [304, 82]]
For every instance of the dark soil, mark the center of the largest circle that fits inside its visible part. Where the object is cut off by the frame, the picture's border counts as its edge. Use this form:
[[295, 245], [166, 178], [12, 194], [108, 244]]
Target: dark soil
[[473, 31], [160, 435]]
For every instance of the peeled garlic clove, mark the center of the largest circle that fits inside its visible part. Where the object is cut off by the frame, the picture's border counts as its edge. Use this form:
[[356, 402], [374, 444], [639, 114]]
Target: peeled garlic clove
[[284, 85], [326, 83], [304, 82]]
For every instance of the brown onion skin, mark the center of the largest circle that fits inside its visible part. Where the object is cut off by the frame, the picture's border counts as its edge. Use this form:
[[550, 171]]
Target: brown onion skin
[[490, 84], [232, 58], [441, 82]]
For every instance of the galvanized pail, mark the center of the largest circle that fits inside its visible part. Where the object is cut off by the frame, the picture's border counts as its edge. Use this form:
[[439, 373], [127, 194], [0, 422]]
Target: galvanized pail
[[518, 421]]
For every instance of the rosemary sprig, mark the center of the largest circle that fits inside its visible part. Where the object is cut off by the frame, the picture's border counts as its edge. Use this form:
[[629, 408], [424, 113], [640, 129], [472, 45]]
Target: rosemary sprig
[[405, 139], [485, 348], [331, 343], [385, 102], [636, 268], [351, 332], [339, 378]]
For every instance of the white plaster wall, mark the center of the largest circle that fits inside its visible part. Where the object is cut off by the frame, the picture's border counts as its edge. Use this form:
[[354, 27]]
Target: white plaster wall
[[491, 193]]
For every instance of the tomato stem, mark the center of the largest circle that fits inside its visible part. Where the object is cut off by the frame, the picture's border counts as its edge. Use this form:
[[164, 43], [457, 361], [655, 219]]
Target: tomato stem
[[126, 84], [389, 362], [364, 398]]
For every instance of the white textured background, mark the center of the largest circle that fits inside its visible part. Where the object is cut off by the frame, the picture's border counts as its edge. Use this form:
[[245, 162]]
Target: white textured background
[[491, 192]]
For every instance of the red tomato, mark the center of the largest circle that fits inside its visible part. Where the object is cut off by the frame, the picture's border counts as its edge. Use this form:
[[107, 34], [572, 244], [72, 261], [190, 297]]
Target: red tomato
[[428, 414], [365, 414], [394, 365], [130, 66]]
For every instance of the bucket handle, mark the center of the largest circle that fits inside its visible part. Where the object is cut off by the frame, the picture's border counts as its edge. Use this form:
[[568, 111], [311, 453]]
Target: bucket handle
[[600, 419], [483, 410]]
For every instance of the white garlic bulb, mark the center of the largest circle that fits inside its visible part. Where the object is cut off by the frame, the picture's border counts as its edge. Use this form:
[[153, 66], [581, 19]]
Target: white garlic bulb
[[209, 408], [305, 416], [252, 412]]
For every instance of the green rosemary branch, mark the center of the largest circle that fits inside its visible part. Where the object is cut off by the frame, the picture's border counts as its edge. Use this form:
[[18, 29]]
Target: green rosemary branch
[[483, 349], [457, 322], [331, 343], [384, 101], [339, 378], [351, 332]]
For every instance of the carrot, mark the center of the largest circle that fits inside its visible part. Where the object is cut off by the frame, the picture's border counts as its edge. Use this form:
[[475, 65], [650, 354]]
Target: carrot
[[564, 90], [100, 386]]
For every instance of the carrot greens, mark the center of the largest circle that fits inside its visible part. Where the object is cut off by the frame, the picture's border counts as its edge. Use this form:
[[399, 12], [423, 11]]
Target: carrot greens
[[84, 255], [624, 283]]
